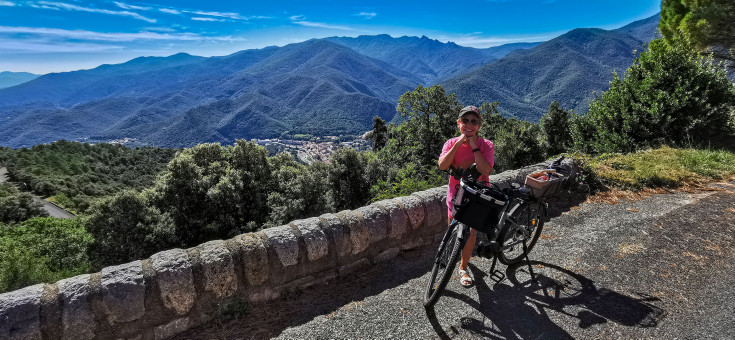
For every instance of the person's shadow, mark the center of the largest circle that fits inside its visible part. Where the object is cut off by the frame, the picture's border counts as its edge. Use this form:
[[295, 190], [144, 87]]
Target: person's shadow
[[518, 307]]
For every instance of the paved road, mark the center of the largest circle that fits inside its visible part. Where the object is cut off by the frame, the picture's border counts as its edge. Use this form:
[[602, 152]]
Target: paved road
[[52, 209], [660, 267]]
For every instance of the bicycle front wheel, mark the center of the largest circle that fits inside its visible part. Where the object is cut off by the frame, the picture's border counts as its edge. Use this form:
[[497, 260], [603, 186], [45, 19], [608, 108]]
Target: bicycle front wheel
[[445, 261], [525, 225]]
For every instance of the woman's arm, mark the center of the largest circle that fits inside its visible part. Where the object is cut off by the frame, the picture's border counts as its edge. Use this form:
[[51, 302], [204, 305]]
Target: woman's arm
[[446, 160], [483, 164]]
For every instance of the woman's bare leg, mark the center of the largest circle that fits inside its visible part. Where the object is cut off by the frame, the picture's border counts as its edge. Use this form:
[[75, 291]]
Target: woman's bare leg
[[467, 251]]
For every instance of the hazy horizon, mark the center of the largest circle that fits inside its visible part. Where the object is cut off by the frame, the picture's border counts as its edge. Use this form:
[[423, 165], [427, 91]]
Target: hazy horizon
[[52, 36]]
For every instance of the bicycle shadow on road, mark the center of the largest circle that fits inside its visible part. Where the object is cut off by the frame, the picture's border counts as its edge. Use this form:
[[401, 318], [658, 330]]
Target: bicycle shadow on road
[[519, 308]]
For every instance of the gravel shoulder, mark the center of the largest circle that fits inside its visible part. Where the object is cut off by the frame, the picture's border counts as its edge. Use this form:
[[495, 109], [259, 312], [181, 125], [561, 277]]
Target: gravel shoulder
[[659, 267]]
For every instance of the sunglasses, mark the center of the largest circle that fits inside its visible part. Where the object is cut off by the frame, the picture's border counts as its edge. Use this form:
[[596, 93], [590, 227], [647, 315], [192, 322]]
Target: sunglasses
[[470, 121]]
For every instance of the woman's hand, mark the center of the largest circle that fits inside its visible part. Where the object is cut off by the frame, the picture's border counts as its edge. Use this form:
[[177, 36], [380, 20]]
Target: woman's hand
[[472, 141]]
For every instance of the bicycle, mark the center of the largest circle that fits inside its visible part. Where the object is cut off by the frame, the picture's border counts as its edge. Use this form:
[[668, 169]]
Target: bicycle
[[512, 218]]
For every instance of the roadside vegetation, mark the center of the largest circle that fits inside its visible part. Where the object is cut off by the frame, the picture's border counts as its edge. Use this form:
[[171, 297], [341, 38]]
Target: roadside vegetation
[[664, 167], [669, 121]]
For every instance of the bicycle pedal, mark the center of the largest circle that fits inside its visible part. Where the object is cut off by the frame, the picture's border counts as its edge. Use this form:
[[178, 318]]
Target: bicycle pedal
[[497, 276]]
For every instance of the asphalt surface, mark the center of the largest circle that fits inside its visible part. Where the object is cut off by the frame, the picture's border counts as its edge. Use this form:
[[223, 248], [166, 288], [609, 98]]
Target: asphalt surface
[[52, 209], [659, 267]]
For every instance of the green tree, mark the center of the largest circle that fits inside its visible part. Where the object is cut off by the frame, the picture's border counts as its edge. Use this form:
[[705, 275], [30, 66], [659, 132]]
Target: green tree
[[670, 95], [299, 191], [517, 144], [556, 130], [42, 250], [379, 134], [16, 206], [127, 227], [708, 24], [212, 191], [348, 183], [430, 119]]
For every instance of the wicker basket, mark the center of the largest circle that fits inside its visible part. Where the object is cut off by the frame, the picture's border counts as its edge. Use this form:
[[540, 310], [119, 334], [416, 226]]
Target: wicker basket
[[544, 183]]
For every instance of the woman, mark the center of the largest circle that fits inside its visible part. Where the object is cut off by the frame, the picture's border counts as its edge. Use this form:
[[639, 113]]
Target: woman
[[461, 152]]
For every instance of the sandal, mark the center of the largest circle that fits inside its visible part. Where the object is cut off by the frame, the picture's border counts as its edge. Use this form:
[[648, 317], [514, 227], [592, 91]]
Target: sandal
[[465, 278]]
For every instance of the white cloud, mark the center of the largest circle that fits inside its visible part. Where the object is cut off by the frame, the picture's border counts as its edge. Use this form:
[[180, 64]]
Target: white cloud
[[159, 29], [322, 25], [234, 16], [59, 6], [301, 20], [367, 15], [133, 7], [169, 10], [207, 19], [7, 3], [484, 42], [8, 46], [102, 36]]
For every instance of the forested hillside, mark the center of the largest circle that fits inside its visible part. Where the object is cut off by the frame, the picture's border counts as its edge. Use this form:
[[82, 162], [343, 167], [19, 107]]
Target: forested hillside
[[427, 59], [319, 87], [74, 174], [567, 69]]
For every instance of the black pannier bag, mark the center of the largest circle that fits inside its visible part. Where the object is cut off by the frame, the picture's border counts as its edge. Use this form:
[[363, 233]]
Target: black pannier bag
[[478, 206]]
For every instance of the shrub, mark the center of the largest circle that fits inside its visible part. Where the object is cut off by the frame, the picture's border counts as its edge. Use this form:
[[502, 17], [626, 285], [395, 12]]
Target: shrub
[[42, 250], [669, 96], [16, 206]]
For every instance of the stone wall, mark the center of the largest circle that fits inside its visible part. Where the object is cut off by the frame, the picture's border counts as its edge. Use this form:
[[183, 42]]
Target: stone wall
[[177, 289]]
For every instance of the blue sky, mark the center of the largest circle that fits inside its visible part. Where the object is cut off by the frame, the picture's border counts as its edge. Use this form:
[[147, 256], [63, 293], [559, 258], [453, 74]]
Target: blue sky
[[65, 35]]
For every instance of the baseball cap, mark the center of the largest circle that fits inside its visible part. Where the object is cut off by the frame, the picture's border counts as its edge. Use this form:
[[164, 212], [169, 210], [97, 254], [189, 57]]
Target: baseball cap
[[470, 109]]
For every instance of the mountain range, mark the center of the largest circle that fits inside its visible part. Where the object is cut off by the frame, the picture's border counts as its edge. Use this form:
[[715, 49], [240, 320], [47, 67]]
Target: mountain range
[[568, 69], [8, 79], [325, 86]]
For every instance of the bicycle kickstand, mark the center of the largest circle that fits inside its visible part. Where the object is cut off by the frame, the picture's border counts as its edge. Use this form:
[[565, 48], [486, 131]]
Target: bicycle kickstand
[[528, 262], [496, 275]]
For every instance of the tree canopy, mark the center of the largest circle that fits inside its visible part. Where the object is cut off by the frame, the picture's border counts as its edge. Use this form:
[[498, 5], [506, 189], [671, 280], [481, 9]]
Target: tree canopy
[[708, 24]]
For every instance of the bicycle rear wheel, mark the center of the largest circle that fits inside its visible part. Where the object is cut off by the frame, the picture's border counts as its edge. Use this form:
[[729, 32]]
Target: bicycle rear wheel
[[445, 261], [528, 217]]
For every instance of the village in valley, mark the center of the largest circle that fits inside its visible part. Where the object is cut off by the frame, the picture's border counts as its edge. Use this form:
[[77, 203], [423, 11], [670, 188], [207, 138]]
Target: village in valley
[[308, 149]]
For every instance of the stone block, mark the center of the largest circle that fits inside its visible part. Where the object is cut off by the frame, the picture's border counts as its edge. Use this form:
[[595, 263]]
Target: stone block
[[412, 243], [376, 222], [172, 328], [218, 268], [175, 279], [387, 255], [317, 245], [254, 258], [433, 206], [334, 226], [413, 207], [352, 267], [123, 291], [77, 317], [20, 312], [359, 236], [396, 218], [285, 244]]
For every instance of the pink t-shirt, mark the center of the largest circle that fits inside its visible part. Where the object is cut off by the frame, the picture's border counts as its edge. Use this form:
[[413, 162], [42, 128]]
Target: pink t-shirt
[[463, 158]]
